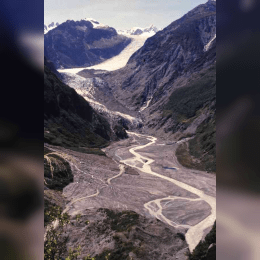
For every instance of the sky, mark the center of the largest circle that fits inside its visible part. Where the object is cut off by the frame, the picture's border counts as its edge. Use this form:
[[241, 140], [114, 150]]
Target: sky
[[120, 14]]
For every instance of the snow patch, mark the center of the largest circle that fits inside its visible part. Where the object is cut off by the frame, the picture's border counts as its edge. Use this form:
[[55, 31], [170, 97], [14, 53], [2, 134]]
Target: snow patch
[[147, 104], [95, 23], [207, 46], [50, 26]]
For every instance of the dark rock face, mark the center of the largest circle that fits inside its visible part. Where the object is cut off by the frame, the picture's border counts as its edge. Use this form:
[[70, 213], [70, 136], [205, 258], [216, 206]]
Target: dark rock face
[[211, 254], [52, 68], [78, 44], [68, 118], [57, 172], [120, 131]]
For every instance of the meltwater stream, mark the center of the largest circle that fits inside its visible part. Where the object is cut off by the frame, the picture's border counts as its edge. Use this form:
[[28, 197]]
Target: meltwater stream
[[194, 233]]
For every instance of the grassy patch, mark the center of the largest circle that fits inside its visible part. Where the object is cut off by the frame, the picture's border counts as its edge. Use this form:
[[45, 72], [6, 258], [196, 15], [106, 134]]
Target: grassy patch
[[185, 159], [122, 250]]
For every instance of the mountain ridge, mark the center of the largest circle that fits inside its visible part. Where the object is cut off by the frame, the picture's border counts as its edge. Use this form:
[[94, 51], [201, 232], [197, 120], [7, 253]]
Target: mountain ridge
[[156, 65], [174, 58], [80, 44]]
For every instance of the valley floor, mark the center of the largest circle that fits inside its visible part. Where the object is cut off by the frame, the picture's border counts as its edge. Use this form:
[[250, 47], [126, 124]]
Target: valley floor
[[142, 174]]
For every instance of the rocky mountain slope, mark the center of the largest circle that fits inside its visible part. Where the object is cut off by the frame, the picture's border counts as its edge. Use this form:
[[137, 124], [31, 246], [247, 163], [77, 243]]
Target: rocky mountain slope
[[97, 92], [176, 51], [170, 82], [119, 235], [80, 44], [68, 118]]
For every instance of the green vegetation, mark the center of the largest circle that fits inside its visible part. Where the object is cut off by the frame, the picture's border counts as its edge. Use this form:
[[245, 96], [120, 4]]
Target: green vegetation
[[51, 212], [203, 145], [53, 202], [55, 240], [186, 104], [86, 150], [185, 159], [200, 152], [122, 250], [73, 254], [78, 217], [202, 252], [120, 221], [55, 243], [199, 92]]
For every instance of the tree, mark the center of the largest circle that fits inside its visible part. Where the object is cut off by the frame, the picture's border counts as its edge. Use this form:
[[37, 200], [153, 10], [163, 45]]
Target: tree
[[55, 240]]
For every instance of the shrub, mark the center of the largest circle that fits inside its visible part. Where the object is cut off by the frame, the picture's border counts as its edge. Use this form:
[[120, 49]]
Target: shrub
[[55, 240]]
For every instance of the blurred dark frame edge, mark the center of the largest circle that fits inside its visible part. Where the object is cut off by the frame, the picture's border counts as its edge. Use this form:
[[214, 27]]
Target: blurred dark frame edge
[[237, 81]]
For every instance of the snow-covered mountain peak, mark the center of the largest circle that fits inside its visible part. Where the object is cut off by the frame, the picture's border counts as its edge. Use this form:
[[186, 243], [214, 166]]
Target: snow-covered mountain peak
[[151, 30], [51, 26], [95, 23]]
